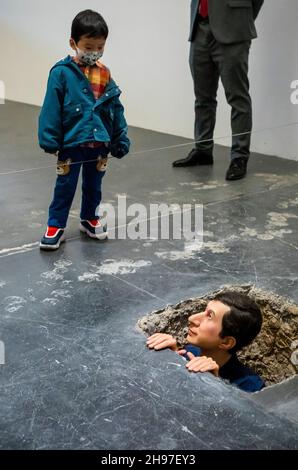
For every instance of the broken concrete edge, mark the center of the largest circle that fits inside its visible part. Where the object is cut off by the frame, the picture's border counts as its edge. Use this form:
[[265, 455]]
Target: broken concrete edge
[[275, 386], [211, 379], [207, 375], [174, 365], [269, 354], [283, 305], [280, 399]]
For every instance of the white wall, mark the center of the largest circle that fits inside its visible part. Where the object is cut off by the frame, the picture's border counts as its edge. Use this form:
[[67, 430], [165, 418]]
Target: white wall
[[147, 52]]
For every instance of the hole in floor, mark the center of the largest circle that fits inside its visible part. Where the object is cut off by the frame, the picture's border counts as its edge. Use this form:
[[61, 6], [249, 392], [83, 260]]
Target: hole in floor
[[273, 354]]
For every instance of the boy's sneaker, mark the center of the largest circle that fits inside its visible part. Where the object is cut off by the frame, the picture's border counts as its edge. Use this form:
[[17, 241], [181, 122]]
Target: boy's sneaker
[[94, 229], [52, 239]]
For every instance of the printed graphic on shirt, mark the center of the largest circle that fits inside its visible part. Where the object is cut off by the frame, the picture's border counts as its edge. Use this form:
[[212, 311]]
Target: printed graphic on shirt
[[102, 163], [63, 167]]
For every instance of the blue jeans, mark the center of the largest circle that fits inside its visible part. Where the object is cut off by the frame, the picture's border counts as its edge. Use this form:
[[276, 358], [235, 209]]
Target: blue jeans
[[67, 180]]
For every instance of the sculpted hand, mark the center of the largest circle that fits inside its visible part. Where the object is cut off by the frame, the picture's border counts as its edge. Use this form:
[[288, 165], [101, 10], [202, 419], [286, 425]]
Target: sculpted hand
[[201, 364], [162, 341]]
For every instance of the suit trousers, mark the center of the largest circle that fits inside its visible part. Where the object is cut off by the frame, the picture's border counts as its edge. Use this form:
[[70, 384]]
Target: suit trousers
[[209, 61]]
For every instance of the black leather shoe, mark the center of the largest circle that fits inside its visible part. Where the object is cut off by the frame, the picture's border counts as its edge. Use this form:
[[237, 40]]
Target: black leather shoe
[[237, 169], [195, 157]]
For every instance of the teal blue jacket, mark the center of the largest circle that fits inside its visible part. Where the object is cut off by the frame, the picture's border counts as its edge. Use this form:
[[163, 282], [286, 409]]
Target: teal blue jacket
[[71, 115]]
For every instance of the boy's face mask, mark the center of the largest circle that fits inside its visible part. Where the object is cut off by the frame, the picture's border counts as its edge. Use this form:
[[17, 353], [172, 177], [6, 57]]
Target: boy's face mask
[[89, 58]]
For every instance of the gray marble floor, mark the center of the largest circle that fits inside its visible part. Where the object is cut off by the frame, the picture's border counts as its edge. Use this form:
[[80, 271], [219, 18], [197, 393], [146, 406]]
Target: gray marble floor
[[77, 374]]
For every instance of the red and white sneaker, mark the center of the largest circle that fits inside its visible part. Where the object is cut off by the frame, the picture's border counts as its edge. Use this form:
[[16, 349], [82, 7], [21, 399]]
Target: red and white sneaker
[[52, 238], [94, 229]]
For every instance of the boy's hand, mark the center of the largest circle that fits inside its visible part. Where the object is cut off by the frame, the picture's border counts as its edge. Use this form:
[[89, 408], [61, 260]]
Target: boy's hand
[[162, 341], [201, 363], [120, 151]]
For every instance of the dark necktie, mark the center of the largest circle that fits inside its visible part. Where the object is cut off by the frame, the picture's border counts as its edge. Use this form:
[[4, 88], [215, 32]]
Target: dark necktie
[[203, 9]]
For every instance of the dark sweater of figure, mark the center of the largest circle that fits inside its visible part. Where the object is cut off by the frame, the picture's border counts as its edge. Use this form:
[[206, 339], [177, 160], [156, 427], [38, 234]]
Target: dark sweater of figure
[[234, 371]]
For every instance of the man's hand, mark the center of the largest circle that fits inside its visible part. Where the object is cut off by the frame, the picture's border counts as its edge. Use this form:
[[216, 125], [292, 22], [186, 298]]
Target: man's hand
[[201, 363], [162, 341]]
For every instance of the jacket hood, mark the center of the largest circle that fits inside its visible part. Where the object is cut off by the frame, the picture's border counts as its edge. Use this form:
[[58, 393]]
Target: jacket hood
[[68, 62]]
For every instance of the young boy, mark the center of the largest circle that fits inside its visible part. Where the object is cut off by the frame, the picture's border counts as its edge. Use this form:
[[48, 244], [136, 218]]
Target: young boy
[[231, 321], [81, 121]]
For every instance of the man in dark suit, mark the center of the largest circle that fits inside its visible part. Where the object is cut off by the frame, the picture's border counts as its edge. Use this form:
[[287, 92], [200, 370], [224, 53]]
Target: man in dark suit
[[221, 33]]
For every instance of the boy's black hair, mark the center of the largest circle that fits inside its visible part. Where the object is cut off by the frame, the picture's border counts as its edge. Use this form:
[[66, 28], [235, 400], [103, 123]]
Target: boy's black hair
[[243, 321], [89, 23]]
